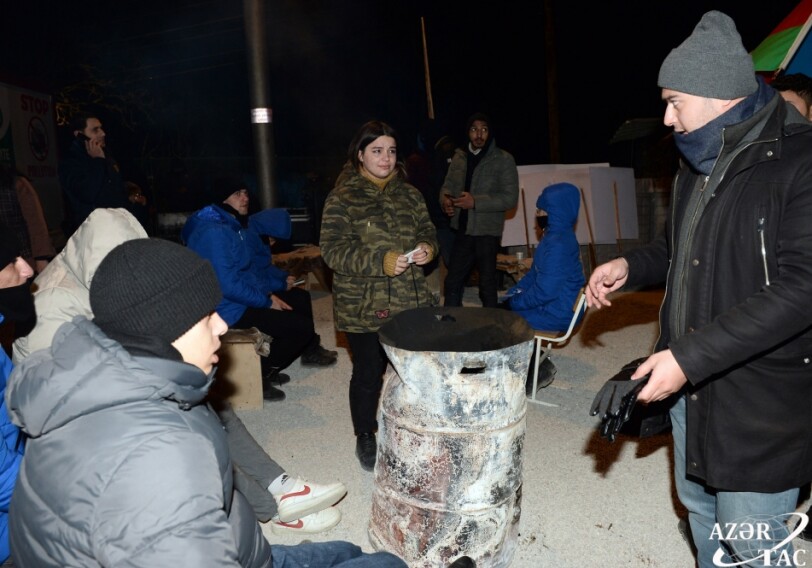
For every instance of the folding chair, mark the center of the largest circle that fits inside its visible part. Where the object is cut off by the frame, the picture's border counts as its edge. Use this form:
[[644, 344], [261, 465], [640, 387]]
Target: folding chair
[[545, 340]]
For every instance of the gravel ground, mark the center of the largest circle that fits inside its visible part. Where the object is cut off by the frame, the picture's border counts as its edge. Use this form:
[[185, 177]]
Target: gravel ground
[[585, 502]]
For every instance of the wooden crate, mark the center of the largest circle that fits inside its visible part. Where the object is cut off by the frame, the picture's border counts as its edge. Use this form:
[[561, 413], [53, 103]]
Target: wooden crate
[[239, 373]]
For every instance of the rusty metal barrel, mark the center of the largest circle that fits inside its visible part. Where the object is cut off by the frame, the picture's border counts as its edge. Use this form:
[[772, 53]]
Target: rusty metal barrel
[[451, 427]]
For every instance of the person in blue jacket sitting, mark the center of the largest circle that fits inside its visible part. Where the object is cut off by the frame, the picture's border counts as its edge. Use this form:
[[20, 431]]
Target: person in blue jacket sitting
[[255, 292], [16, 304], [546, 294]]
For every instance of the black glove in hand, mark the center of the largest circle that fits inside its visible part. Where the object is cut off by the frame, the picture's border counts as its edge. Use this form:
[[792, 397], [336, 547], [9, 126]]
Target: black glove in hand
[[615, 401]]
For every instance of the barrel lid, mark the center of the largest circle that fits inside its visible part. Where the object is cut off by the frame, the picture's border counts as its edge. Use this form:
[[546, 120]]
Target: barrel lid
[[464, 329]]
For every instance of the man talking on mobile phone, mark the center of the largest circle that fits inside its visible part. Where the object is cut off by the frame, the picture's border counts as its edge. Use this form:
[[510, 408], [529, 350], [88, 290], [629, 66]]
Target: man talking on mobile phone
[[90, 178]]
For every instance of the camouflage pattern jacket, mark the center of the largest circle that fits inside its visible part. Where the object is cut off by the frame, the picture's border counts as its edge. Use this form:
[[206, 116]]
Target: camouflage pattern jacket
[[360, 224]]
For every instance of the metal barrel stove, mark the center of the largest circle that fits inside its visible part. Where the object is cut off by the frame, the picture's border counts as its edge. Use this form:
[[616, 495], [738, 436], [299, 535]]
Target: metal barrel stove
[[448, 475]]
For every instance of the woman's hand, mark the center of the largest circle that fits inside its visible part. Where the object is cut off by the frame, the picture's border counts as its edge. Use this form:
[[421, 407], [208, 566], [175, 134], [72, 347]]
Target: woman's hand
[[421, 257], [402, 265]]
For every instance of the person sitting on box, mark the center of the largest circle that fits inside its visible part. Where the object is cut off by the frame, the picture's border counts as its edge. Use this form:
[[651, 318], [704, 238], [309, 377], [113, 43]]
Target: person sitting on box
[[255, 292]]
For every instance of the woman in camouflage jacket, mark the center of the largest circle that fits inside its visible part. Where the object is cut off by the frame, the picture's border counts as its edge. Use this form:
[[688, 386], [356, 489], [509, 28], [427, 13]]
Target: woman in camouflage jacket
[[375, 229]]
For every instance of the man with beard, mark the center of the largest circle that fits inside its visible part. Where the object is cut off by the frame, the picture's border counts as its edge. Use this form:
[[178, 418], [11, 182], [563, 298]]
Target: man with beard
[[481, 185], [16, 304], [91, 178]]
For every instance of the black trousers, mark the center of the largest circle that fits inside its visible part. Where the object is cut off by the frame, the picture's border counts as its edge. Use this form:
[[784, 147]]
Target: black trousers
[[469, 251], [292, 331], [368, 365]]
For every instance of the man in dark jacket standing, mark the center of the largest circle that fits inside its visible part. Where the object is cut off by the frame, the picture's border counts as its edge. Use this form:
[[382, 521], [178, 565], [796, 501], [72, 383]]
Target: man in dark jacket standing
[[482, 183], [90, 178], [735, 343]]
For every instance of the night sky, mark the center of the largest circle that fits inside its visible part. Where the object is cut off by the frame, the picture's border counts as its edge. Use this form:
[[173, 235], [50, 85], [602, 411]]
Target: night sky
[[174, 81]]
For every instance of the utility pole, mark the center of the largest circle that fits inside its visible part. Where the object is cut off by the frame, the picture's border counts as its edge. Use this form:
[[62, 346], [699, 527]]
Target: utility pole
[[261, 111], [552, 83]]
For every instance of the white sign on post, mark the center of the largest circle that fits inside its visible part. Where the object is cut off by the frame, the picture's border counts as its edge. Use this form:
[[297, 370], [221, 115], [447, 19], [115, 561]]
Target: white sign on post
[[28, 143], [608, 203]]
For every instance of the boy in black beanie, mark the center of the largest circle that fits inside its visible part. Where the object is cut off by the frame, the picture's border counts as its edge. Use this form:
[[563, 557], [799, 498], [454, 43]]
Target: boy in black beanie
[[125, 462]]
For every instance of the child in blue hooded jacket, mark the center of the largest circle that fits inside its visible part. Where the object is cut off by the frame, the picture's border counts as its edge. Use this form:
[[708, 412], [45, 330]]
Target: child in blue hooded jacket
[[546, 294]]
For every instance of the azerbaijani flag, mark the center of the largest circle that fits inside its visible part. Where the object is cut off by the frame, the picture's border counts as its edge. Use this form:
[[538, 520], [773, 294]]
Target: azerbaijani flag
[[787, 48]]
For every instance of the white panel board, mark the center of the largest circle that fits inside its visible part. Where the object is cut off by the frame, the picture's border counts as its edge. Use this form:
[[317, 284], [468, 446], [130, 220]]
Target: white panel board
[[597, 182]]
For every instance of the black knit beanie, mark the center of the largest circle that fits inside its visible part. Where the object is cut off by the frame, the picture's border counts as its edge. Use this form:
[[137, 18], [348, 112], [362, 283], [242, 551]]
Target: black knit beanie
[[152, 288], [223, 187], [711, 63]]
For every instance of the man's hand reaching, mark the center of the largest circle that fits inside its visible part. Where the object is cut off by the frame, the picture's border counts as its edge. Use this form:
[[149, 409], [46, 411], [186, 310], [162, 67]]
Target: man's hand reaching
[[606, 278]]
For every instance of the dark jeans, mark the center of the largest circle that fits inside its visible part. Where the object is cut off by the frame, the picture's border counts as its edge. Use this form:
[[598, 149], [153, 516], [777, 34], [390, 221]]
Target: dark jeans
[[330, 554], [468, 252], [368, 365], [292, 330]]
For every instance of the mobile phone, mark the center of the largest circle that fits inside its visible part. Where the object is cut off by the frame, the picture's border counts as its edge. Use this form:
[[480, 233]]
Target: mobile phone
[[410, 254], [299, 282], [82, 137]]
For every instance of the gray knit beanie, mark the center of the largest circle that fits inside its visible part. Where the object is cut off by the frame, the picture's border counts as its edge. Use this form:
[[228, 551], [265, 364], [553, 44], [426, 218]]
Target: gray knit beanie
[[711, 63], [152, 288]]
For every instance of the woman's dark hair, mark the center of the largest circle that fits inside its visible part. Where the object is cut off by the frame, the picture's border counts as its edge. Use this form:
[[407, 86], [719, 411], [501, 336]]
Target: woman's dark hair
[[367, 134]]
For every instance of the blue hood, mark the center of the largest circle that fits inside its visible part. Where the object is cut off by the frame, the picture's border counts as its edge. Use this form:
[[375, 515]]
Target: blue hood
[[209, 214], [561, 201], [272, 223]]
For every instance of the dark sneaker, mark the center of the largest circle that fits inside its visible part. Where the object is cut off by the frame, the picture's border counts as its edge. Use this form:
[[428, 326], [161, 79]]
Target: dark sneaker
[[274, 377], [327, 352], [463, 562], [684, 530], [271, 393], [317, 358], [366, 449], [547, 373], [806, 534]]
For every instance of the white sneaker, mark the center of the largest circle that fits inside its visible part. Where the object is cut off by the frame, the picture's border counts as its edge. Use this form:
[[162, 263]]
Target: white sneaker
[[305, 498], [318, 522]]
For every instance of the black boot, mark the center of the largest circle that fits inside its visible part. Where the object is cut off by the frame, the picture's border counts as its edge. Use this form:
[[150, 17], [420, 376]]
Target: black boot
[[366, 449], [315, 355], [275, 377], [806, 534], [322, 350], [463, 562], [270, 392], [547, 373]]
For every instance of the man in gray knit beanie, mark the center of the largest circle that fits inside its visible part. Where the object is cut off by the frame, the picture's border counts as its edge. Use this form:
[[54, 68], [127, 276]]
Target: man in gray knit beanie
[[711, 63], [732, 360]]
